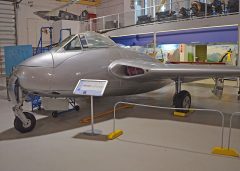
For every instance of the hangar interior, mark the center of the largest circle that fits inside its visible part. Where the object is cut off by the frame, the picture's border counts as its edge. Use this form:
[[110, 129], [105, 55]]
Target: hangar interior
[[189, 49]]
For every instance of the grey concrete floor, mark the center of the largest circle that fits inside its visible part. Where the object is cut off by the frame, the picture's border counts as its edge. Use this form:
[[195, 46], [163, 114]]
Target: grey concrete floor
[[153, 139]]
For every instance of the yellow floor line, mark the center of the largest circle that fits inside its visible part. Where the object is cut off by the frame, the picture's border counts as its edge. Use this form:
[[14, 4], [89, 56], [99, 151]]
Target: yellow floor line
[[87, 119]]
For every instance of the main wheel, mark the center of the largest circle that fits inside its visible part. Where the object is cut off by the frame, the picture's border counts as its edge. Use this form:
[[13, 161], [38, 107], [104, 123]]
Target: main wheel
[[77, 108], [54, 114], [23, 128], [182, 100]]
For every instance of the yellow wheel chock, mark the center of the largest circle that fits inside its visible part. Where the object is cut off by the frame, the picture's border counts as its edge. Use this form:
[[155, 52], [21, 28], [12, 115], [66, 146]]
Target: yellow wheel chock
[[182, 114]]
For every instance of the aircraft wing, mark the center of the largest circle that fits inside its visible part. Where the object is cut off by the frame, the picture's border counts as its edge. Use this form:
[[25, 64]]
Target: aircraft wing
[[135, 69]]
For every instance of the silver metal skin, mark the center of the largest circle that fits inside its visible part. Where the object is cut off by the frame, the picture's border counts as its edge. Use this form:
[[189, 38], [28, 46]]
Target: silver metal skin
[[93, 56]]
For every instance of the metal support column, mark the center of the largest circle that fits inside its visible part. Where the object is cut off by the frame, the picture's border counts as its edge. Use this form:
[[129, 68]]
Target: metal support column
[[205, 8], [178, 85], [103, 23], [118, 18], [170, 5], [135, 17], [90, 24], [238, 61], [92, 115], [154, 9], [154, 41]]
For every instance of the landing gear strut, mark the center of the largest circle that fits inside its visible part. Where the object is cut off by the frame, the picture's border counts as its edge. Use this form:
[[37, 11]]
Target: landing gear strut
[[72, 102], [181, 98], [238, 81], [24, 121]]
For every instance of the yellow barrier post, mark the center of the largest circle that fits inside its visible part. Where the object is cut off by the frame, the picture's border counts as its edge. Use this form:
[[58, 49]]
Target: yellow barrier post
[[115, 134], [227, 151], [216, 150]]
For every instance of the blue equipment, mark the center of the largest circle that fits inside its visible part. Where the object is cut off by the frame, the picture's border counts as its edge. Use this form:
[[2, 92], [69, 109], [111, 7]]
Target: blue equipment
[[40, 48]]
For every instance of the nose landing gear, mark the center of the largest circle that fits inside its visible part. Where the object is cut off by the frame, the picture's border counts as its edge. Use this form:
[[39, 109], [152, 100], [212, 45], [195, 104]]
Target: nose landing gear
[[27, 126], [24, 121]]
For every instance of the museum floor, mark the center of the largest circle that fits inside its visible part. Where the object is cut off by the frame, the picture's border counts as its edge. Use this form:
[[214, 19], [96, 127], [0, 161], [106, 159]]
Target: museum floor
[[153, 139]]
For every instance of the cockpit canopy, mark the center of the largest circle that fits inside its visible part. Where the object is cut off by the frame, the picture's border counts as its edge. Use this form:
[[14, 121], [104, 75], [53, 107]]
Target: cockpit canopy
[[85, 40]]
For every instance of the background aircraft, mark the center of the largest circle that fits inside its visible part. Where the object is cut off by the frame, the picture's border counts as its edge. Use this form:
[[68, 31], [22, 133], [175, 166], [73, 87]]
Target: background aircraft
[[93, 56], [57, 14]]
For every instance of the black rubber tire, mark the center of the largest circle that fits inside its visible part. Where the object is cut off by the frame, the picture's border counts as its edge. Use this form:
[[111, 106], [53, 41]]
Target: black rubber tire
[[19, 125], [77, 108], [54, 114], [182, 100]]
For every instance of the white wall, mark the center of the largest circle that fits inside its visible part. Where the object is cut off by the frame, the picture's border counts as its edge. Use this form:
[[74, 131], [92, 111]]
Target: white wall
[[29, 24], [129, 16], [67, 24], [108, 7]]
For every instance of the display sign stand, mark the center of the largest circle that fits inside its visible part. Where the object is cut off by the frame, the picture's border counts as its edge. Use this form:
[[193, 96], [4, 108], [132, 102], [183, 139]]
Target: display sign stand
[[93, 131], [90, 87]]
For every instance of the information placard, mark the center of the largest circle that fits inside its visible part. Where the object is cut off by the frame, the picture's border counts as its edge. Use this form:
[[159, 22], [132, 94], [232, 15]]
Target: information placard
[[90, 87]]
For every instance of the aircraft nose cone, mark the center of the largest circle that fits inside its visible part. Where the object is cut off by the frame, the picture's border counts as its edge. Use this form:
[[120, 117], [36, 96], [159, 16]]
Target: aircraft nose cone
[[40, 60]]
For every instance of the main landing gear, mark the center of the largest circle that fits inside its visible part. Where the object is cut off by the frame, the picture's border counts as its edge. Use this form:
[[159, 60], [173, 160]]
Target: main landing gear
[[181, 98]]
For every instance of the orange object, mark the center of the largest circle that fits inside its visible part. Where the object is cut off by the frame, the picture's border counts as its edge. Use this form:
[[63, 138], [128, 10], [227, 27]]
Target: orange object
[[87, 119], [92, 15]]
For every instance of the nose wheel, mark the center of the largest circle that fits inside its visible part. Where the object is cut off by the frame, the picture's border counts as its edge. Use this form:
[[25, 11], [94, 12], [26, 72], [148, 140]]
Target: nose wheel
[[25, 127]]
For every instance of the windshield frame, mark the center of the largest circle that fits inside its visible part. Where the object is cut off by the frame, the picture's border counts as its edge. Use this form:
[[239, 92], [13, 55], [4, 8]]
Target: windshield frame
[[60, 47], [106, 41]]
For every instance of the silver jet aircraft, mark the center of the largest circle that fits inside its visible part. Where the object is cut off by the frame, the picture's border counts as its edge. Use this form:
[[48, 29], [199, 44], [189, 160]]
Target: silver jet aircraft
[[94, 56]]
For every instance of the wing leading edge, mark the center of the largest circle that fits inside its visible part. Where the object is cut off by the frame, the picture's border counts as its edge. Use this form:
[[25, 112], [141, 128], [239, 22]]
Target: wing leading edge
[[144, 70]]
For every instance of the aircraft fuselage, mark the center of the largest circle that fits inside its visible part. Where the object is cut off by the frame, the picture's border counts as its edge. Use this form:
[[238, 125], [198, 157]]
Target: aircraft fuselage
[[57, 73]]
